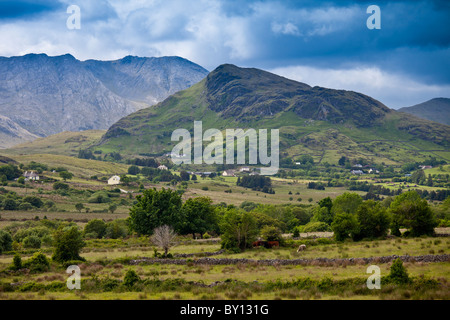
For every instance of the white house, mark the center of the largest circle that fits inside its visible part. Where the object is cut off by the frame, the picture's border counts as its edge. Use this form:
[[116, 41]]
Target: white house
[[163, 167], [228, 173], [31, 175], [244, 169], [114, 180], [357, 172]]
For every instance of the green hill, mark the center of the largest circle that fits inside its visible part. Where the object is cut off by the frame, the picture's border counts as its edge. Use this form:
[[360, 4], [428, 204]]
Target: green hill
[[324, 123], [437, 109]]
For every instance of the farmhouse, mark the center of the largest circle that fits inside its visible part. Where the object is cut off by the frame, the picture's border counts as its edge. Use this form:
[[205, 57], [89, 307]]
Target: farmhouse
[[31, 175], [114, 180], [163, 167], [228, 173], [357, 172]]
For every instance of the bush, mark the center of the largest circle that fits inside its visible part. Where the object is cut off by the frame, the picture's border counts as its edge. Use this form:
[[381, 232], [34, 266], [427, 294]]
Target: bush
[[116, 229], [10, 204], [97, 227], [37, 263], [17, 262], [60, 186], [317, 226], [5, 241], [32, 242], [34, 201], [131, 278], [398, 273], [25, 206], [99, 197]]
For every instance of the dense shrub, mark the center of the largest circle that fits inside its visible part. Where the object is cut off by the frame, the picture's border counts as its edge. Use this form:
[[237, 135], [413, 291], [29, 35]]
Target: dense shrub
[[37, 263], [60, 186], [68, 244], [130, 279], [5, 241], [97, 227], [32, 242]]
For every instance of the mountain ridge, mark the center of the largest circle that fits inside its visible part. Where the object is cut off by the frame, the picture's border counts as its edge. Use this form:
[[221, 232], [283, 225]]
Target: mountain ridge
[[436, 109], [46, 95], [312, 120]]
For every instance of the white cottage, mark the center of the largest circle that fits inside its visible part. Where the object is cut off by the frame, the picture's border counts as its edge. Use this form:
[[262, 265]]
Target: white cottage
[[114, 180]]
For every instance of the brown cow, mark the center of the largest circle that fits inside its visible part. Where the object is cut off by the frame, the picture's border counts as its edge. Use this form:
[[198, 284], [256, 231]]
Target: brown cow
[[271, 244]]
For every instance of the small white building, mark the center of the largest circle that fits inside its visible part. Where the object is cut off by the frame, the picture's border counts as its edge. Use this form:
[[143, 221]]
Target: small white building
[[228, 173], [244, 169], [357, 172], [163, 167], [114, 180], [31, 175]]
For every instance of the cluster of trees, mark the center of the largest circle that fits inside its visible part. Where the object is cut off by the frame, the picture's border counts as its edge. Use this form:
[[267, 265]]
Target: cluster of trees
[[154, 174], [315, 185], [371, 188], [9, 172], [9, 200], [349, 216], [256, 183], [157, 208], [144, 162]]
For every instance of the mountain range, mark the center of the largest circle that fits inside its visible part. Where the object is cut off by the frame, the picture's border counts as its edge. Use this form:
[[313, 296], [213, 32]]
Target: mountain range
[[324, 123], [437, 109], [42, 95]]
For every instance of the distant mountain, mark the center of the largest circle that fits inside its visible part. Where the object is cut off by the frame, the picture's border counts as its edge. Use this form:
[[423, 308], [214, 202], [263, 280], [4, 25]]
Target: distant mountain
[[46, 95], [437, 109], [11, 133], [323, 123]]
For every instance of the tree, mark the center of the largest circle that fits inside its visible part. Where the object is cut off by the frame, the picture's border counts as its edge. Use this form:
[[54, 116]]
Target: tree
[[198, 216], [344, 225], [271, 233], [34, 201], [66, 175], [163, 237], [79, 206], [373, 220], [21, 180], [411, 211], [112, 207], [5, 241], [184, 176], [155, 208], [68, 244], [134, 170], [346, 202], [194, 177], [239, 229], [96, 227], [9, 204], [125, 180]]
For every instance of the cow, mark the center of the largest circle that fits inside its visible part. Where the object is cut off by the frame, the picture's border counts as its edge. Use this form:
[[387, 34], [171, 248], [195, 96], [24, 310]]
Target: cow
[[301, 248], [271, 244], [259, 243]]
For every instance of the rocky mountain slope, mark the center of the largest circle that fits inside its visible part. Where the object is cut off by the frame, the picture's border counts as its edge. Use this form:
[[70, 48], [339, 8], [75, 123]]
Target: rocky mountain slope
[[46, 95]]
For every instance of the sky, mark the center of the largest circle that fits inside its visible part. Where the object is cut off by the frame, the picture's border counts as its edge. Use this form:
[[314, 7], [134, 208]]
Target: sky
[[325, 43]]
